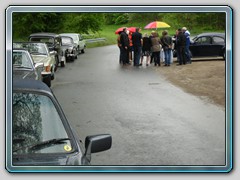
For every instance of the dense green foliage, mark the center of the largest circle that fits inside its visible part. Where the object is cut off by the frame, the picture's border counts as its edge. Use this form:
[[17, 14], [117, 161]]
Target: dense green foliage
[[104, 24]]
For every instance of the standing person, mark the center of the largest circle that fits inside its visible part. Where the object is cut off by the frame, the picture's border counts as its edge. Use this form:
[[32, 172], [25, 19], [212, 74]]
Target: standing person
[[124, 46], [146, 48], [156, 48], [119, 46], [137, 46], [151, 54], [130, 46], [176, 46], [187, 51], [181, 44], [167, 47]]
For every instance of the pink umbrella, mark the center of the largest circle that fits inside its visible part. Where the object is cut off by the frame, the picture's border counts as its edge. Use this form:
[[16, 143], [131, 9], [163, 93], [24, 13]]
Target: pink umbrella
[[156, 25]]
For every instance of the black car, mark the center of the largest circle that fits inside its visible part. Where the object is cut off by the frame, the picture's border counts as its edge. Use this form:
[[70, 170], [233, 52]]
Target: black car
[[69, 48], [41, 134], [207, 45], [53, 42]]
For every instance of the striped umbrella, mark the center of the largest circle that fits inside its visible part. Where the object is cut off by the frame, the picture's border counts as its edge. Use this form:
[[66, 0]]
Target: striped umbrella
[[156, 25]]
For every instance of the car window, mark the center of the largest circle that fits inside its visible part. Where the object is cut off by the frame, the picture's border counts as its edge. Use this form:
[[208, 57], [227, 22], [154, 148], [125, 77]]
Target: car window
[[21, 59], [67, 40], [35, 119], [47, 40], [203, 40], [218, 40]]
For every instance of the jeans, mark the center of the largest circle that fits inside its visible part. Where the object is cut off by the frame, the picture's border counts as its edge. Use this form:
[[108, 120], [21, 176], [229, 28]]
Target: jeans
[[167, 54], [188, 56], [137, 55]]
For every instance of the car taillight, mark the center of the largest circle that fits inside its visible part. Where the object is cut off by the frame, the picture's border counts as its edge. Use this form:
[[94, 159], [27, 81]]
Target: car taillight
[[48, 68]]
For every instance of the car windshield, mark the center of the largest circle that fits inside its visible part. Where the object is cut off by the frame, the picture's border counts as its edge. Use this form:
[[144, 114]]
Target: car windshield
[[67, 40], [48, 40], [37, 126], [33, 48], [21, 60]]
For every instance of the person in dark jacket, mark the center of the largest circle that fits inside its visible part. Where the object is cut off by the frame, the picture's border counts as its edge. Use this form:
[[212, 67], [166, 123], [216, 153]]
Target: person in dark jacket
[[137, 46], [181, 44], [146, 48], [124, 41], [167, 47]]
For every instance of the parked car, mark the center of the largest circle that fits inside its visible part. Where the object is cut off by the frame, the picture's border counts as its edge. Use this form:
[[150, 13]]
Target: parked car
[[54, 43], [208, 45], [78, 40], [24, 67], [69, 48], [40, 54], [41, 134]]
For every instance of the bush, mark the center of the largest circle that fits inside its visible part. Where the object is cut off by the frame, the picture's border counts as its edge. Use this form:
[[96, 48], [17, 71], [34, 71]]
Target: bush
[[123, 19]]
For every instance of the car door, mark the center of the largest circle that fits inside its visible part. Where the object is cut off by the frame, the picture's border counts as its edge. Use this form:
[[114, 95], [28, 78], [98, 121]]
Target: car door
[[201, 46], [81, 42], [218, 44]]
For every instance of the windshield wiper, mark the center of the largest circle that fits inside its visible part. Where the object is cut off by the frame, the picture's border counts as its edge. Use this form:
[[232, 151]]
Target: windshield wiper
[[38, 53], [44, 144], [21, 67]]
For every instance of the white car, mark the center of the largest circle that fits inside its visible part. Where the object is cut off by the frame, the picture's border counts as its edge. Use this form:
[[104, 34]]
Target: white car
[[78, 40]]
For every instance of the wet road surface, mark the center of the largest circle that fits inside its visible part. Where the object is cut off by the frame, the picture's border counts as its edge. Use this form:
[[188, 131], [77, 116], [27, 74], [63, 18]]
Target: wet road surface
[[152, 122]]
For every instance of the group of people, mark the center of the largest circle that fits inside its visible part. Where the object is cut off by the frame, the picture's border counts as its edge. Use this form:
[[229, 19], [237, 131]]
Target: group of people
[[134, 46]]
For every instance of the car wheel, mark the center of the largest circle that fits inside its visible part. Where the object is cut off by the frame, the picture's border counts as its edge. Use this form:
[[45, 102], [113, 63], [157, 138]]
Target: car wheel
[[47, 80], [83, 51], [62, 64]]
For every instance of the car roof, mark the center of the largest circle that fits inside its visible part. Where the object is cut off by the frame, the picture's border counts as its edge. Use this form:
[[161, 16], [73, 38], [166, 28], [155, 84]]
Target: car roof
[[46, 34], [212, 34], [20, 49], [69, 33], [30, 85]]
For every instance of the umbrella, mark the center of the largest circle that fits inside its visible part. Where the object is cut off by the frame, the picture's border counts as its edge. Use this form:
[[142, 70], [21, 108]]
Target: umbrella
[[132, 29], [119, 30], [156, 24]]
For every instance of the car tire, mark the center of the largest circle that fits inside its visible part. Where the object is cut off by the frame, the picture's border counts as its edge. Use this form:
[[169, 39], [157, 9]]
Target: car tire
[[83, 51], [57, 62], [62, 64], [47, 80]]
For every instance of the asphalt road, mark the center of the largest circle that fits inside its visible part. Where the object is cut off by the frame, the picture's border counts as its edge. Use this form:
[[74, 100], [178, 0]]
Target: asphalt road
[[152, 122]]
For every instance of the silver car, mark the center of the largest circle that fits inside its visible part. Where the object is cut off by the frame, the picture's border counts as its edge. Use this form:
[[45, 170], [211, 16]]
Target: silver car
[[40, 54], [24, 67]]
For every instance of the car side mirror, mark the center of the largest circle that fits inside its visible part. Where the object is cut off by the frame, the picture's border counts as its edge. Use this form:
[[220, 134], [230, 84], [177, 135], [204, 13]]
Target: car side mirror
[[97, 143], [39, 65]]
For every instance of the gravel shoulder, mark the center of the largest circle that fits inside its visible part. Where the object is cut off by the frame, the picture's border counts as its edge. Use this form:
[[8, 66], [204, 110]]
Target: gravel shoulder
[[205, 79]]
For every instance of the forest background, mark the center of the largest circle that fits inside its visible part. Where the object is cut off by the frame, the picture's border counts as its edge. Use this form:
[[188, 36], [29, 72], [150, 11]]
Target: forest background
[[104, 25]]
